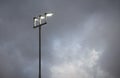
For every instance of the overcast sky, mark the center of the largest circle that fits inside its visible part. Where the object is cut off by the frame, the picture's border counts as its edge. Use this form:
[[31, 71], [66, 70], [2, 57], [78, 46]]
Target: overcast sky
[[81, 40]]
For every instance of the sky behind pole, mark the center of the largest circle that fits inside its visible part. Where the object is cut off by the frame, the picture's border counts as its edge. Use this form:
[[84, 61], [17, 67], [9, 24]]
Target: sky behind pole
[[81, 40]]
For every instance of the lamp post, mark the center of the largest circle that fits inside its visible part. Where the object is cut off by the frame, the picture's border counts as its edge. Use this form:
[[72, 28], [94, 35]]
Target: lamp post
[[38, 22]]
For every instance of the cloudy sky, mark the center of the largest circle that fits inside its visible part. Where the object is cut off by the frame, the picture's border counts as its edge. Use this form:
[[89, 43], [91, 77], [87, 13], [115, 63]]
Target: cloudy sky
[[81, 40]]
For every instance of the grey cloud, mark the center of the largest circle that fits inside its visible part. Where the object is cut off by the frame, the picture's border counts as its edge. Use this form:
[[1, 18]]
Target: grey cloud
[[15, 58], [91, 24]]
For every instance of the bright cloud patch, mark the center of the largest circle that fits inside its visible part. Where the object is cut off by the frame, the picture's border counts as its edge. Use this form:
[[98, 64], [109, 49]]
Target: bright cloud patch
[[77, 56], [75, 61]]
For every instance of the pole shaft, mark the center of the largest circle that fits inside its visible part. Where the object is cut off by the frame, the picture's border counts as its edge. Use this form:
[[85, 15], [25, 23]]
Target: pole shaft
[[39, 51]]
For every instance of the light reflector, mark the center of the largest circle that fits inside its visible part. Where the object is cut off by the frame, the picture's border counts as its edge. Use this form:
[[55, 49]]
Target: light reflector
[[49, 14], [42, 17]]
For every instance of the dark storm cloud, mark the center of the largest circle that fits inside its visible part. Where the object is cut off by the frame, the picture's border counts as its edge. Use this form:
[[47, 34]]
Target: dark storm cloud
[[110, 59], [17, 59], [104, 32], [76, 25]]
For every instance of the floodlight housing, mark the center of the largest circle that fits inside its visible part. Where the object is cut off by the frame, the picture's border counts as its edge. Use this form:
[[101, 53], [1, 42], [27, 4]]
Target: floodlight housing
[[42, 17], [35, 21], [49, 14], [46, 15]]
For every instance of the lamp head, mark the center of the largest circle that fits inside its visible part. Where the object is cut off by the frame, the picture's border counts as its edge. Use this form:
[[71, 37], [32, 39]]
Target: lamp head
[[48, 14], [45, 16], [42, 17], [35, 19]]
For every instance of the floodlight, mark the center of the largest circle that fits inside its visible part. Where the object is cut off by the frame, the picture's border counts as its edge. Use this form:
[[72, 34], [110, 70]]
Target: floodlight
[[49, 14], [35, 21], [42, 17], [38, 22]]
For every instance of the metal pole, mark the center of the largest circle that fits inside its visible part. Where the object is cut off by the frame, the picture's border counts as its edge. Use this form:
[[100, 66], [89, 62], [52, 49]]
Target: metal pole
[[40, 46], [40, 51]]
